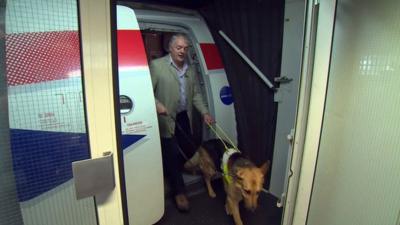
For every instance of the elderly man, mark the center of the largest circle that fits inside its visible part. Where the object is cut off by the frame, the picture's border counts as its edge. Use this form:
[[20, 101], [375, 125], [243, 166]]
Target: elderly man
[[176, 90]]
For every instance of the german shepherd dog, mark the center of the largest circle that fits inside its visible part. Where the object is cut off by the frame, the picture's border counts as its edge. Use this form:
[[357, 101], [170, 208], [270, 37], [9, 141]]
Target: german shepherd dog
[[242, 179]]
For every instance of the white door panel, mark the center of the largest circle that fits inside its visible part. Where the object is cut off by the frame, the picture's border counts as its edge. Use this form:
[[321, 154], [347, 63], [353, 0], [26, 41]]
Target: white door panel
[[140, 135]]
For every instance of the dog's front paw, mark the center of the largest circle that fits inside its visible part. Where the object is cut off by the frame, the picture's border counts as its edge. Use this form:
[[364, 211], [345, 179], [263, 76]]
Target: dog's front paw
[[227, 210], [212, 194]]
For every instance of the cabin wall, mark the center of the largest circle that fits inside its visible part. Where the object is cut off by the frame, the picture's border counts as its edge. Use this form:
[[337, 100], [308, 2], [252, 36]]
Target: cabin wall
[[357, 175]]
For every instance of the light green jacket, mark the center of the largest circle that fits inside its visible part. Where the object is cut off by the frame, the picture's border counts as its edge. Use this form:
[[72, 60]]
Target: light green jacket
[[166, 91]]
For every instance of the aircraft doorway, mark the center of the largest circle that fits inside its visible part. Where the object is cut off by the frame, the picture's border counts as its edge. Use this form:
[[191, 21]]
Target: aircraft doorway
[[204, 210]]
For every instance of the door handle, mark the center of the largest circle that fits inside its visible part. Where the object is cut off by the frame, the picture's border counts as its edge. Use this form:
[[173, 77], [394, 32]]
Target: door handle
[[282, 79], [93, 176]]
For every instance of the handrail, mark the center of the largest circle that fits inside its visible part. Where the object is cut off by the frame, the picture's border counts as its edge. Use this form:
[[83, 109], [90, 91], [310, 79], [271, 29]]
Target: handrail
[[248, 61]]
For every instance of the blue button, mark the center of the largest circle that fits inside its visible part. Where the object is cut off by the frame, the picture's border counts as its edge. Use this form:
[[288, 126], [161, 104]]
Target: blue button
[[226, 95]]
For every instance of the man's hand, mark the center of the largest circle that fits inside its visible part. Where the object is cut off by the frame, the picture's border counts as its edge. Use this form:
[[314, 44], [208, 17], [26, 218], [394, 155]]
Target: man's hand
[[208, 119], [161, 110]]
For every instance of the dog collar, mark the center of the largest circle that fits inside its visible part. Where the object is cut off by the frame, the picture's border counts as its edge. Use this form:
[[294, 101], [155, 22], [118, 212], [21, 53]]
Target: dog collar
[[224, 165]]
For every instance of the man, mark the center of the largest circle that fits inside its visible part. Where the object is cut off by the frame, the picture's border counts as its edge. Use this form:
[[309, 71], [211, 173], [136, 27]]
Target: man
[[176, 90]]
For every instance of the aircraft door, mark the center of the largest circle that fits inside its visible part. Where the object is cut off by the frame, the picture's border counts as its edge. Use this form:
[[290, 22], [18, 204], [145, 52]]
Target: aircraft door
[[140, 134]]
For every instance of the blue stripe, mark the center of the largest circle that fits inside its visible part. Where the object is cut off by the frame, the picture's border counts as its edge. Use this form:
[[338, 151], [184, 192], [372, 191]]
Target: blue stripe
[[128, 140], [42, 160]]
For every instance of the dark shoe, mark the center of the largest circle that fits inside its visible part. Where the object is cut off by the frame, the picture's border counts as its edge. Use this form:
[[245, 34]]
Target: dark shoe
[[182, 203]]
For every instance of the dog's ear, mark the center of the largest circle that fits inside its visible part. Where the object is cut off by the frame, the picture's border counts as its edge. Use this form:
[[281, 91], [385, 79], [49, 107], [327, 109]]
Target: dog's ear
[[265, 167], [239, 174]]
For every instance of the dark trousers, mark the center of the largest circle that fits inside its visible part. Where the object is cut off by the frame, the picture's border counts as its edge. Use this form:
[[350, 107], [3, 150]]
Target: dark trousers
[[172, 158], [183, 134]]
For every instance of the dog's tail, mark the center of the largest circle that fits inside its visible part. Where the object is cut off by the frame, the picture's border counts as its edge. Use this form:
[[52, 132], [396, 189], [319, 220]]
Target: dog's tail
[[192, 164]]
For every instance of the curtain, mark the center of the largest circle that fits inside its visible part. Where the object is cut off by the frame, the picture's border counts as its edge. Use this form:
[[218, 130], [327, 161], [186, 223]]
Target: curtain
[[256, 27]]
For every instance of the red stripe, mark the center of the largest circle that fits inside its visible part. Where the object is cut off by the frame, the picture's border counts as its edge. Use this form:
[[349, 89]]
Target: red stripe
[[46, 56], [211, 56], [131, 50], [39, 57]]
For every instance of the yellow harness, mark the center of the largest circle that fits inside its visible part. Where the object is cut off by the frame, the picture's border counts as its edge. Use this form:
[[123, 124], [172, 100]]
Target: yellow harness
[[224, 164], [227, 154]]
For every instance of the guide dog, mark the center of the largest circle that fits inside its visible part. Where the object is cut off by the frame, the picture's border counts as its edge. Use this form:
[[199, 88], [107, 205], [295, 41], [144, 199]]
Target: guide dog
[[242, 179]]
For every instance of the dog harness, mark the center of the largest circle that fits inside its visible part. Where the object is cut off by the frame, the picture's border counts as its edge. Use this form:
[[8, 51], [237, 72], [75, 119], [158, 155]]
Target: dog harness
[[224, 165]]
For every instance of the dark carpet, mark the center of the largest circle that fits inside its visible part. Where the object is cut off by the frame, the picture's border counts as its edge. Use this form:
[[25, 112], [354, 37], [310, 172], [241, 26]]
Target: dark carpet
[[207, 211]]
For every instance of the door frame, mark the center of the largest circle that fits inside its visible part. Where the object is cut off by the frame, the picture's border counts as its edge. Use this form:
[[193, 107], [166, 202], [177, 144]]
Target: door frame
[[320, 18], [98, 49], [287, 95]]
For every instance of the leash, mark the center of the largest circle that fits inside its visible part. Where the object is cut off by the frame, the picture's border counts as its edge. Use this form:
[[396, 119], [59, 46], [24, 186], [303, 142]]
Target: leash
[[224, 134], [184, 134], [212, 128]]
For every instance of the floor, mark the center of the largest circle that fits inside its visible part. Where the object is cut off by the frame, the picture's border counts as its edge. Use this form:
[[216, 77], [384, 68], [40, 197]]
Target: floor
[[207, 211]]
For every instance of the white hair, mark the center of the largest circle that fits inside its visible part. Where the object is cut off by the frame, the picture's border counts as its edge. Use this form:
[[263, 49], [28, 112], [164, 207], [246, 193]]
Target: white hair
[[176, 36]]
